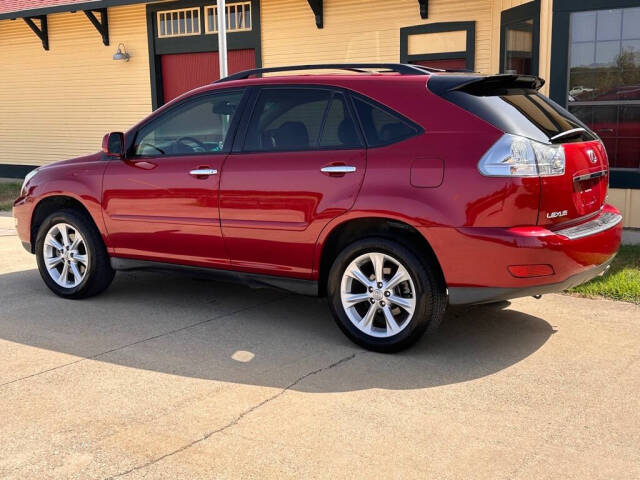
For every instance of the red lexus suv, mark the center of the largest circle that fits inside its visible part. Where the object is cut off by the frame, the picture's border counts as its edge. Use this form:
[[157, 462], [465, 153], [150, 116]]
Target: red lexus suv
[[393, 190]]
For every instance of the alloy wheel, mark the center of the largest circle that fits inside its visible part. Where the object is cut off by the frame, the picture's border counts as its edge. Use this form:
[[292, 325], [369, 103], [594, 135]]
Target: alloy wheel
[[65, 255], [378, 294]]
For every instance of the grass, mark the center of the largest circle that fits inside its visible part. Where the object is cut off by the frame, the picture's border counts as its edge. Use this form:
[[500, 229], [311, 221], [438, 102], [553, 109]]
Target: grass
[[622, 282], [9, 191]]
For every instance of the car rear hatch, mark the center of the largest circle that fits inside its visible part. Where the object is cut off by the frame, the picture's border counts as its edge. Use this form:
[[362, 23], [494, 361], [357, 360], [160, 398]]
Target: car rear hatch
[[513, 104], [581, 191]]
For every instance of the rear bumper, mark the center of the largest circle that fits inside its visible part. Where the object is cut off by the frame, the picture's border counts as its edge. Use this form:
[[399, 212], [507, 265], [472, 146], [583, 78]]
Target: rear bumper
[[475, 260], [602, 222], [468, 295]]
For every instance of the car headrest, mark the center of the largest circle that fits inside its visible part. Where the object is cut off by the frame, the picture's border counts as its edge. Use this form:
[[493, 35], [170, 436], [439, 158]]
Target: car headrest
[[392, 130], [291, 135], [223, 107]]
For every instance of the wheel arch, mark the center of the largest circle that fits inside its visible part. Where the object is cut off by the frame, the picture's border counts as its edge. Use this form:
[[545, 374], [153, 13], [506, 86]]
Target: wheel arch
[[334, 238], [52, 203]]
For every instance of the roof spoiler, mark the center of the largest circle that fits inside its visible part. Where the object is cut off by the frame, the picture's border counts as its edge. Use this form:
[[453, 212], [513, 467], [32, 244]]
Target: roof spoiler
[[494, 84], [485, 85]]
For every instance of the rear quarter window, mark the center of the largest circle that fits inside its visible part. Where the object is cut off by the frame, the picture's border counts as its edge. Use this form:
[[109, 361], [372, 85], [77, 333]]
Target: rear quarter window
[[382, 126]]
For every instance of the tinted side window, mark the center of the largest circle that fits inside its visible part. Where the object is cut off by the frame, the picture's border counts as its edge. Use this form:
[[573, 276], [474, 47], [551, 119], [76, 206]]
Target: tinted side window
[[380, 126], [339, 129], [197, 126], [287, 119]]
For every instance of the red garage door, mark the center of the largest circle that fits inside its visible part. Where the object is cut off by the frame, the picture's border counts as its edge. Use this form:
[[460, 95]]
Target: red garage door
[[185, 71], [446, 63]]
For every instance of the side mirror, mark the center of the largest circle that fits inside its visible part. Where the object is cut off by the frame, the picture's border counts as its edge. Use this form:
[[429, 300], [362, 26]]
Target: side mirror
[[113, 144]]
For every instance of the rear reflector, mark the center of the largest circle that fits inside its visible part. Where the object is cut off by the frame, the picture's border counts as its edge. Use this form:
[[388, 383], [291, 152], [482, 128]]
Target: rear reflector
[[527, 271]]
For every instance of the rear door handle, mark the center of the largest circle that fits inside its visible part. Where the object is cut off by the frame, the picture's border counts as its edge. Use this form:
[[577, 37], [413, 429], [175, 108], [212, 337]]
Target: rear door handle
[[338, 169], [203, 172]]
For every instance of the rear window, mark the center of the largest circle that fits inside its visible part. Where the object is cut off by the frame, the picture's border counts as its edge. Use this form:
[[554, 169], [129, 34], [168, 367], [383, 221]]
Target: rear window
[[287, 119], [301, 119], [519, 111]]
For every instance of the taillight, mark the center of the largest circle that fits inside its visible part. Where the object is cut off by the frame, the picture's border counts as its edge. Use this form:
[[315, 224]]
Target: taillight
[[514, 156]]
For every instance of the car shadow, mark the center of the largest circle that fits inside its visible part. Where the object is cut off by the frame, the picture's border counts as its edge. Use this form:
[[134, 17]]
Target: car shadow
[[210, 330]]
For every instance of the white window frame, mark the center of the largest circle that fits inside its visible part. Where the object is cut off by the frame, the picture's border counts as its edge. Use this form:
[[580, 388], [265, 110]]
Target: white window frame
[[179, 18], [232, 9]]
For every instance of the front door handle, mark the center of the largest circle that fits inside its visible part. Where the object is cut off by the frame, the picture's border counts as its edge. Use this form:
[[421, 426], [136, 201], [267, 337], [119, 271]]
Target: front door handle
[[338, 169], [203, 172]]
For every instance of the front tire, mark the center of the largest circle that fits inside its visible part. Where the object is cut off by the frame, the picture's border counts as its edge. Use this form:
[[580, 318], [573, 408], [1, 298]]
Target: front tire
[[72, 258], [383, 296]]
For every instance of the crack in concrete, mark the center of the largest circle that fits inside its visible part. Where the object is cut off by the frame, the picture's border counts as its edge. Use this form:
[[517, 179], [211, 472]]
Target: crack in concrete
[[235, 420], [154, 337]]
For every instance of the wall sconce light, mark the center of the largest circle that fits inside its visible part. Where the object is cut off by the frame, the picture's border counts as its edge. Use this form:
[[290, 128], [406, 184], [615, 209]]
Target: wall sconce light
[[121, 53]]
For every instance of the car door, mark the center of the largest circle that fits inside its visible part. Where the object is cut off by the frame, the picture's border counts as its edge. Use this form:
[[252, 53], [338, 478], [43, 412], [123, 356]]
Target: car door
[[161, 201], [300, 163]]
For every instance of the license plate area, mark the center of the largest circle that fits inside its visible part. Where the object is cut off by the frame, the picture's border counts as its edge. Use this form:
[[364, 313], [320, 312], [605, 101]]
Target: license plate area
[[589, 190]]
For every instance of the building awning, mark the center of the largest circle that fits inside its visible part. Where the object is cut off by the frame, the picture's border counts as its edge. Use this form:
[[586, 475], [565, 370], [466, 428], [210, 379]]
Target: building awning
[[34, 13], [9, 6], [11, 9]]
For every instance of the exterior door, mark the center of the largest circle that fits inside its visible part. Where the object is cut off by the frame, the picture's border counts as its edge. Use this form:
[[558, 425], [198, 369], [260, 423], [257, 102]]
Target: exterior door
[[161, 203], [301, 164], [519, 39], [182, 72]]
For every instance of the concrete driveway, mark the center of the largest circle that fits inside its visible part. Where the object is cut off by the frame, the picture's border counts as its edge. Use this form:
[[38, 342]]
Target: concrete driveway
[[170, 377]]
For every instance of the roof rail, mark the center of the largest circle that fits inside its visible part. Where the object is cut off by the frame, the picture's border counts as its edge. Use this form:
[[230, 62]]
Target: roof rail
[[430, 69], [400, 68]]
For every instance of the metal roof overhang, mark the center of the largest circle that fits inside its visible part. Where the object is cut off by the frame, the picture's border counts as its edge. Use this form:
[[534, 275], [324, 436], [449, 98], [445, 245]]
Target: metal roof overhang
[[71, 7]]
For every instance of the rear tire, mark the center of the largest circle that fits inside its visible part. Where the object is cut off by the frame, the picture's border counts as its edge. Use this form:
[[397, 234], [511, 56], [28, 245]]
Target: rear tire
[[383, 296], [72, 258]]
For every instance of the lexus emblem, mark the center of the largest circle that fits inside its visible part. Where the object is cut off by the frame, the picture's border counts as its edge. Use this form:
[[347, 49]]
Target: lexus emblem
[[592, 156]]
